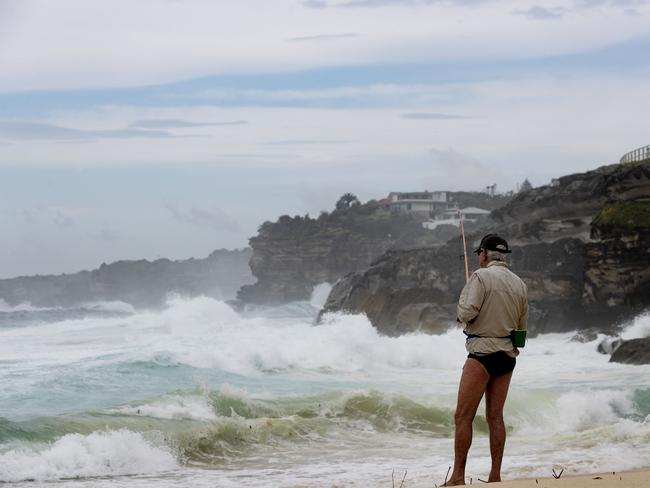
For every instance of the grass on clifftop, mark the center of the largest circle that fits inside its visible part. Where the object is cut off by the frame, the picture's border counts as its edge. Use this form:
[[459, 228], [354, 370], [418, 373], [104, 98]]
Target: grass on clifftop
[[625, 214]]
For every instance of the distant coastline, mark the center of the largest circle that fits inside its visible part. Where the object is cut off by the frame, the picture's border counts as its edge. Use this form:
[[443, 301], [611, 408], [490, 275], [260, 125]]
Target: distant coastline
[[141, 283]]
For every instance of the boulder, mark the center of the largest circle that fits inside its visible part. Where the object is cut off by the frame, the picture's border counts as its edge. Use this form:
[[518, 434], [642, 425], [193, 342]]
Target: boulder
[[634, 351]]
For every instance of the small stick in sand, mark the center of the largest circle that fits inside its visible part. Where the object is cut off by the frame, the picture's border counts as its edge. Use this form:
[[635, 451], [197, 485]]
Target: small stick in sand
[[556, 475], [446, 476], [392, 477], [402, 483]]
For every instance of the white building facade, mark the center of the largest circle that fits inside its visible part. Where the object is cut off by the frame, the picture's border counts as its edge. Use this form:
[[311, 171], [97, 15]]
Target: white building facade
[[426, 203]]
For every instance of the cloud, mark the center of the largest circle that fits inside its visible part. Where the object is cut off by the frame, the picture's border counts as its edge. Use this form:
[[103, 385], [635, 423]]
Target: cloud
[[181, 124], [106, 234], [383, 3], [41, 131], [305, 142], [323, 37], [462, 171], [541, 13], [394, 31], [214, 218], [432, 116], [26, 215], [624, 4], [321, 4], [61, 216], [62, 220], [315, 4], [537, 12], [374, 95], [365, 3]]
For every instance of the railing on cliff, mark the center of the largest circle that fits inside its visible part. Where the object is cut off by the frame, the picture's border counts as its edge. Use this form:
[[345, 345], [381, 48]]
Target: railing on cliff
[[640, 154]]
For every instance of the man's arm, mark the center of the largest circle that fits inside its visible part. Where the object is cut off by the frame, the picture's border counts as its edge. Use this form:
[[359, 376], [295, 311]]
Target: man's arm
[[523, 319], [471, 300]]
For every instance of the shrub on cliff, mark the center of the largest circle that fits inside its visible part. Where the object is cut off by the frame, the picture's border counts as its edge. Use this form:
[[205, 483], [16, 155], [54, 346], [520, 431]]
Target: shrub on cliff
[[624, 214]]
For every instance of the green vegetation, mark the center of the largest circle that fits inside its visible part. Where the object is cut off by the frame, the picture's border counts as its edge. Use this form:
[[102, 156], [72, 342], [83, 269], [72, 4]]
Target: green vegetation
[[625, 214]]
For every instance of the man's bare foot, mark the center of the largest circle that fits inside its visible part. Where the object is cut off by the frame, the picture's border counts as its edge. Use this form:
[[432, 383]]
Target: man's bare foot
[[454, 483]]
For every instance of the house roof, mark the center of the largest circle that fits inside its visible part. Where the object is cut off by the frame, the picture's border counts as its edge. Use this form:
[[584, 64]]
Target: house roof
[[475, 210]]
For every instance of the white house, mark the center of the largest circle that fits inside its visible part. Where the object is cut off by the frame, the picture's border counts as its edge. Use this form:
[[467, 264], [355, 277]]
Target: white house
[[425, 203], [453, 216]]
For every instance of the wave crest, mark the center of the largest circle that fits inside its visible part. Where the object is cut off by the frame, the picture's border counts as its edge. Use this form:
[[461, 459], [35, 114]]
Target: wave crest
[[114, 453]]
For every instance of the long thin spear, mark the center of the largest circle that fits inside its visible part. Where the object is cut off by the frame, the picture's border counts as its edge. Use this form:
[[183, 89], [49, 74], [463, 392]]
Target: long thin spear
[[462, 232]]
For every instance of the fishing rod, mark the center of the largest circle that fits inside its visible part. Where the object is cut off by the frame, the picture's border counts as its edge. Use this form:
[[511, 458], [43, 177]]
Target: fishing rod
[[462, 233]]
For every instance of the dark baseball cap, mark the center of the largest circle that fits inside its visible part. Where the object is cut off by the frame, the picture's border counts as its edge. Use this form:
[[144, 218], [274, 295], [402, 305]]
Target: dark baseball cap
[[493, 242]]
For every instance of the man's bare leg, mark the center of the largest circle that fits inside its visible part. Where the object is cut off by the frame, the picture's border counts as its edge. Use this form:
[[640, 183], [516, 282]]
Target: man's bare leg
[[470, 391], [495, 398]]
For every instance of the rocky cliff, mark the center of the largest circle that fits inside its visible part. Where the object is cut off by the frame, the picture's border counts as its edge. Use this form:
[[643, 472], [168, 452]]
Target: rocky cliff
[[294, 254], [582, 245], [140, 283]]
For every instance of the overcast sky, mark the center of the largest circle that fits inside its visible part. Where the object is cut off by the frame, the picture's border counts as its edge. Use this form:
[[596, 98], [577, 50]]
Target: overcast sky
[[169, 128]]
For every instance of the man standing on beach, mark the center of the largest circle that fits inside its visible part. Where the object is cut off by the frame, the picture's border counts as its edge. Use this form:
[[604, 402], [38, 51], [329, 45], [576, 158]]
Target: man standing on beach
[[492, 304]]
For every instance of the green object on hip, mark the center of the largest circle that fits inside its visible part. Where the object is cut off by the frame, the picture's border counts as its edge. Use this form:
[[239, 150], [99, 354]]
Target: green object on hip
[[518, 337]]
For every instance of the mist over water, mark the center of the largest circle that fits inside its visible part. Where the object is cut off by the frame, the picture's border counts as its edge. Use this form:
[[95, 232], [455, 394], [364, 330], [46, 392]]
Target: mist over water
[[198, 393]]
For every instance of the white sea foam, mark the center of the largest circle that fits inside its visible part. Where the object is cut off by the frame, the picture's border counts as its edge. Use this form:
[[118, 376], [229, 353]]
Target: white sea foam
[[347, 343], [206, 333], [639, 328], [573, 412], [23, 307], [111, 306], [319, 295], [112, 453], [173, 407]]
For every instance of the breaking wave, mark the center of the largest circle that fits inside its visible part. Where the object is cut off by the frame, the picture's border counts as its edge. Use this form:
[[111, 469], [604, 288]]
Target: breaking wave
[[216, 428], [197, 384], [113, 453]]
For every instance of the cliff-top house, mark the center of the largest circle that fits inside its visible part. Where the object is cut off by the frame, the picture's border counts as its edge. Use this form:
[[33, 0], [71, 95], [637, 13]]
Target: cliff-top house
[[425, 203]]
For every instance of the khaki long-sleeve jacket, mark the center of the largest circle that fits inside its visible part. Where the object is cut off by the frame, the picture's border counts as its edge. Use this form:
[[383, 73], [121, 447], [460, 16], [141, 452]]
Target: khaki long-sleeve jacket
[[493, 303]]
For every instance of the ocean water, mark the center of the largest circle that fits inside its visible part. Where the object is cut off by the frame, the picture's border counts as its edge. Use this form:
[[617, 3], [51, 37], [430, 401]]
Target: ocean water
[[199, 395]]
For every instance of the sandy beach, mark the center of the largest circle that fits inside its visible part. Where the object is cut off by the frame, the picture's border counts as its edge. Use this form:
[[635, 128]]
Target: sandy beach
[[628, 479]]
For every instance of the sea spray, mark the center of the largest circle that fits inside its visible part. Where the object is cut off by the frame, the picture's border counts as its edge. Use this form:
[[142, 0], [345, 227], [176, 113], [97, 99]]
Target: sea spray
[[319, 295], [638, 328]]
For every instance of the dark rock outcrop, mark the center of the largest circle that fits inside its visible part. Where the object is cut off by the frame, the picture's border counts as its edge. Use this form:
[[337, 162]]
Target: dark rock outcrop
[[140, 283], [294, 254], [634, 351], [418, 289], [584, 259]]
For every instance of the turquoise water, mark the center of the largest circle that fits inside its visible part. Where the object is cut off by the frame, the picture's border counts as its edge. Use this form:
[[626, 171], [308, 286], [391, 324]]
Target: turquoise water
[[197, 393]]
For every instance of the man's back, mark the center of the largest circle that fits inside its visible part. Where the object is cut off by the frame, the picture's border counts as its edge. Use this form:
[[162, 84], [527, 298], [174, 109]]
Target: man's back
[[493, 304]]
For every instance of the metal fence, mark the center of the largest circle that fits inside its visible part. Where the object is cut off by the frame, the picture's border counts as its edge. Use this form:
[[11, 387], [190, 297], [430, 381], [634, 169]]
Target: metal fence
[[640, 154]]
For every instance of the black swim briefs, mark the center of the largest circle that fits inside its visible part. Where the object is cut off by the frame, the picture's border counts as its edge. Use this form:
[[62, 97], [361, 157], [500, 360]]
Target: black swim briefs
[[497, 363]]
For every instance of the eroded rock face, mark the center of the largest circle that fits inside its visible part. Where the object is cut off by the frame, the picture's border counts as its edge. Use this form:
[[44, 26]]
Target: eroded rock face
[[617, 267], [292, 257], [634, 351], [294, 254], [402, 292], [583, 271], [405, 291]]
